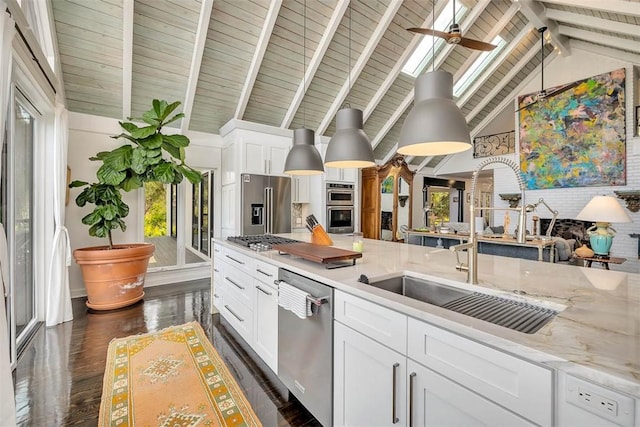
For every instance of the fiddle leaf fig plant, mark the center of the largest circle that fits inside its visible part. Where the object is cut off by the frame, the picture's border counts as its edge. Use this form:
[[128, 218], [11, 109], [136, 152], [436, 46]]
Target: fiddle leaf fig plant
[[148, 156]]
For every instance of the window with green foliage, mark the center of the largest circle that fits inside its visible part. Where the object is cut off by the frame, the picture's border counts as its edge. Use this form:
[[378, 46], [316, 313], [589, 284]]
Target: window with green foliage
[[440, 205], [155, 209]]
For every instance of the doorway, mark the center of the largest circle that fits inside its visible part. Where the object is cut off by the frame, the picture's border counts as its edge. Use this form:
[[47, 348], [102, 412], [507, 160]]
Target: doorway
[[17, 215]]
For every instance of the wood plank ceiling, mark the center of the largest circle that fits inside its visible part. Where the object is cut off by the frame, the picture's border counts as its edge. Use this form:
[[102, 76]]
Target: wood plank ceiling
[[294, 63]]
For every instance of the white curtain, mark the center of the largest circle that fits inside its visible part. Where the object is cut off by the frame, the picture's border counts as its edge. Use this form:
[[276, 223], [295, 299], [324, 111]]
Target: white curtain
[[7, 400], [58, 300]]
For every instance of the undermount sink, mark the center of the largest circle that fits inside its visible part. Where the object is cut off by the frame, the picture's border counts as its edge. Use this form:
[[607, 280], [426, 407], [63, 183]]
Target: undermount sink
[[420, 289], [513, 314]]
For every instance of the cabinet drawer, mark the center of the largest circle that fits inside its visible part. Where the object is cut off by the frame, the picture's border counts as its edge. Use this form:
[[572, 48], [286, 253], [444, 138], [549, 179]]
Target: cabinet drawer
[[238, 315], [217, 250], [517, 385], [383, 325], [238, 283], [265, 272], [237, 259]]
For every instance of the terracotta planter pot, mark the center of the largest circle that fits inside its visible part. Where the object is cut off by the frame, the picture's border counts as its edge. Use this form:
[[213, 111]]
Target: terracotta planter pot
[[114, 278]]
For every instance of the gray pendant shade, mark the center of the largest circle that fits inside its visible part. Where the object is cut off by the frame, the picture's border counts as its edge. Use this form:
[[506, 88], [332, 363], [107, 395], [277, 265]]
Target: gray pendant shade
[[303, 158], [349, 147], [435, 126]]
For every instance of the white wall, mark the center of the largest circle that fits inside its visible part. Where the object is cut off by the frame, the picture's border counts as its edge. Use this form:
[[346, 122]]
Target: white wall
[[91, 134], [568, 201]]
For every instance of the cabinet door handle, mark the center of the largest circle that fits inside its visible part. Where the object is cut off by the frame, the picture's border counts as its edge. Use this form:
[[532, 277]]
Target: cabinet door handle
[[394, 418], [234, 315], [411, 377], [216, 270], [235, 284], [264, 272], [216, 296], [263, 291], [236, 260]]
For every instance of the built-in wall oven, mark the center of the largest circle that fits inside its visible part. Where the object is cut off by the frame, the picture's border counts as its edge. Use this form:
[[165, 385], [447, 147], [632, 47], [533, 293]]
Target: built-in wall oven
[[340, 208]]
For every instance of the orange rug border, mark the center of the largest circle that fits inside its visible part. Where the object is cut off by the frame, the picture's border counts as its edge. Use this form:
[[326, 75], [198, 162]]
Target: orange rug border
[[235, 391]]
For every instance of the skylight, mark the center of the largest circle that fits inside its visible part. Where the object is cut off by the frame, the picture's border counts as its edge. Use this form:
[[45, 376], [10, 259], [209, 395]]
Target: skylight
[[422, 55], [478, 67]]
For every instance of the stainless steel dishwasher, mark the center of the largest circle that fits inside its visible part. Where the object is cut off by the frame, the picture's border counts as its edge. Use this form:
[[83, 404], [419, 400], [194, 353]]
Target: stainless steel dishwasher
[[305, 348]]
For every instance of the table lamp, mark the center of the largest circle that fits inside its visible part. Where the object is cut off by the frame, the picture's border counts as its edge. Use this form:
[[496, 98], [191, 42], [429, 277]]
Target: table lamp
[[603, 210]]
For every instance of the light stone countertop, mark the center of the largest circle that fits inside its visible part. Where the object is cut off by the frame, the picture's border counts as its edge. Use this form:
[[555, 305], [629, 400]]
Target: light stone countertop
[[597, 335]]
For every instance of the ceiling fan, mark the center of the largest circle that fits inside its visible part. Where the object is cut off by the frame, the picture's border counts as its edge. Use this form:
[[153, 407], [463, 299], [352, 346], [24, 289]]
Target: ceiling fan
[[454, 35], [543, 93]]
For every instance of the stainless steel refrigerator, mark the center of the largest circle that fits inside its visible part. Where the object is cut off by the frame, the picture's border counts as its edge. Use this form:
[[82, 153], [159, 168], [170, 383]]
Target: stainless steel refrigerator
[[266, 204]]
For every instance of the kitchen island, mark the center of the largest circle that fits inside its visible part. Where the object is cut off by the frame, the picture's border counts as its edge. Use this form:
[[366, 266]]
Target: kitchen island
[[595, 336]]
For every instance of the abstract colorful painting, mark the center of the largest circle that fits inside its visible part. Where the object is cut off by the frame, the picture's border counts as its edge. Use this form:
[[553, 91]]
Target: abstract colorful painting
[[575, 138]]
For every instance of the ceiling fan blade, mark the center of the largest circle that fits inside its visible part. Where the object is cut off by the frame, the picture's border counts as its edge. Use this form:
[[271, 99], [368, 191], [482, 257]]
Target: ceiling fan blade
[[562, 89], [476, 44], [429, 32], [526, 106]]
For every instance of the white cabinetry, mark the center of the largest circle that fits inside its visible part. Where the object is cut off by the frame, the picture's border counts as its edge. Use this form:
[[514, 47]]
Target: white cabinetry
[[265, 325], [445, 379], [434, 400], [369, 381], [300, 189], [244, 292], [348, 175], [228, 209], [264, 158]]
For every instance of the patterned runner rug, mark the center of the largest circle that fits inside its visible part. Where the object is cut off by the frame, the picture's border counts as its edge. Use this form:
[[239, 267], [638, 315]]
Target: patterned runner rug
[[171, 378]]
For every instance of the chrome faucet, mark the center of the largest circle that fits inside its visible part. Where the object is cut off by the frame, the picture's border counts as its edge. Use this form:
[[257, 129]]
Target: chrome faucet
[[472, 245]]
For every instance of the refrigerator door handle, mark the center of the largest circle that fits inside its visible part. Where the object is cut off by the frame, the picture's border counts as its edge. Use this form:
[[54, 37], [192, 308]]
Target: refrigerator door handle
[[266, 210], [270, 209]]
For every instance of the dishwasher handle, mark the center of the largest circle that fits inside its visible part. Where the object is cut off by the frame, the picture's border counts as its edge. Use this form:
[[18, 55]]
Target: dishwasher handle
[[313, 300]]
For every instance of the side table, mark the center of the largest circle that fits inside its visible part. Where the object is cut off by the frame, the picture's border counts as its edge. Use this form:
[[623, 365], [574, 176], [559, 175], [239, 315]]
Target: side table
[[602, 260]]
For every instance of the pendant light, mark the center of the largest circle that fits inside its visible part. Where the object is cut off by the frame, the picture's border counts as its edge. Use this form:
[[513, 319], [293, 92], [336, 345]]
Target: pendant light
[[303, 158], [435, 126], [349, 147]]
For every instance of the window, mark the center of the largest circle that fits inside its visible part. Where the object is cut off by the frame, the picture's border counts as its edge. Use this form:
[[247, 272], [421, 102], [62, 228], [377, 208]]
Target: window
[[478, 67], [422, 55]]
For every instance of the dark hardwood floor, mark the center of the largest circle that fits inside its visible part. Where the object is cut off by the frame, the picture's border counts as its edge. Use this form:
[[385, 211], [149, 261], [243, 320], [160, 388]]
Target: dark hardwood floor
[[58, 380]]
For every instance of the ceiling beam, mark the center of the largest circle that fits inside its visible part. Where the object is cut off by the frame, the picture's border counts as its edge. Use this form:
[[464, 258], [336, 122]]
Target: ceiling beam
[[258, 56], [354, 73], [196, 61], [495, 31], [424, 163], [603, 39], [446, 50], [593, 22], [397, 69], [316, 60], [507, 78], [127, 56], [614, 6], [511, 98], [605, 51], [535, 13], [488, 72]]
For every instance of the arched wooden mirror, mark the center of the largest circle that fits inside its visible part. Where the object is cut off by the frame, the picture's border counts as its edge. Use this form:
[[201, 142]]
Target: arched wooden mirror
[[386, 200]]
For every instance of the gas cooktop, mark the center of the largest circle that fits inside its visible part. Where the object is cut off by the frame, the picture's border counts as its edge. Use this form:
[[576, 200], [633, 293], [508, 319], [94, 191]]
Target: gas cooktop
[[260, 242]]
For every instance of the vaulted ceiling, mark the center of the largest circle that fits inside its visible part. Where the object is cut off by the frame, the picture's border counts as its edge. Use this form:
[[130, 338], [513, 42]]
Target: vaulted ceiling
[[244, 59]]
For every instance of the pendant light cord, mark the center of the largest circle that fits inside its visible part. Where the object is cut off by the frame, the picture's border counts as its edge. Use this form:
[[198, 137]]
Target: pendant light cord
[[433, 36], [304, 63], [349, 69]]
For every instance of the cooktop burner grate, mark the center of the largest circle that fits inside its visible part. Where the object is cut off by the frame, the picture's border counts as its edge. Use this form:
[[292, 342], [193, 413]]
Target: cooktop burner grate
[[260, 242]]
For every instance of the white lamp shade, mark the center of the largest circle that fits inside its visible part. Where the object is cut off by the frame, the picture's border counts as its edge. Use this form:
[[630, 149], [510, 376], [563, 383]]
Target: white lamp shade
[[435, 126], [303, 158], [349, 147], [604, 209]]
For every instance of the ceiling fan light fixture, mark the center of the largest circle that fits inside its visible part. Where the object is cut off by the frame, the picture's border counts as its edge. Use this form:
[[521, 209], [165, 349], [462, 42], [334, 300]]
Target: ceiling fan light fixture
[[303, 158], [349, 147], [435, 126]]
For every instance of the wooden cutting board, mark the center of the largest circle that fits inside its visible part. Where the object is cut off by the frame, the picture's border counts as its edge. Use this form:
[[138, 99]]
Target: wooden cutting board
[[317, 253]]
